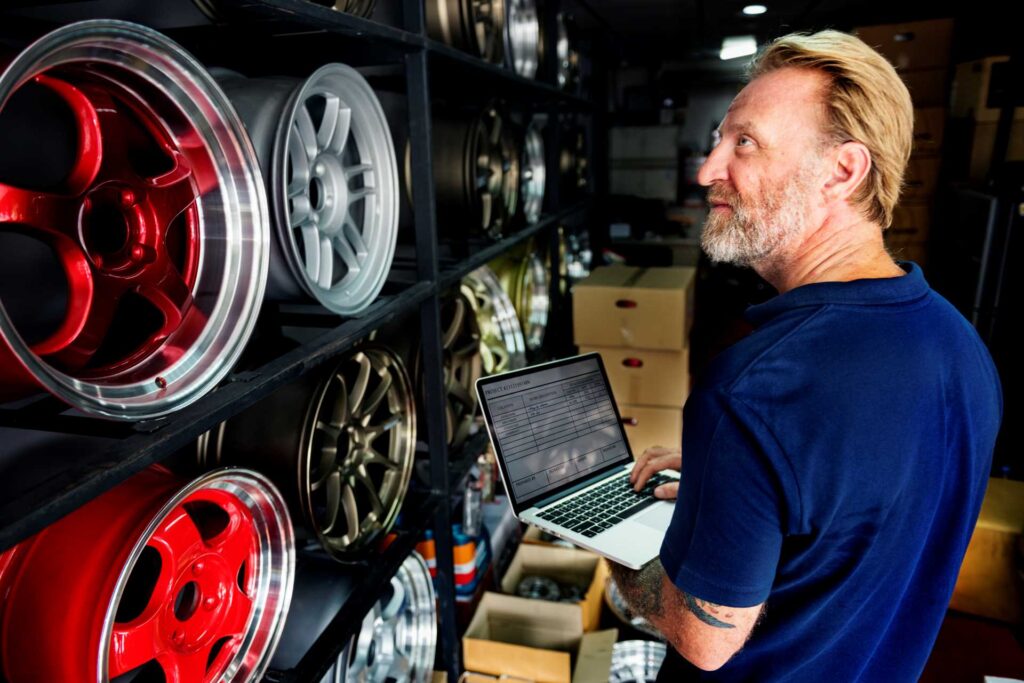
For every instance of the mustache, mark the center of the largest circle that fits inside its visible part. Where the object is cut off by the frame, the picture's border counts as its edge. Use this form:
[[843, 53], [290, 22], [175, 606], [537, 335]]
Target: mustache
[[719, 194]]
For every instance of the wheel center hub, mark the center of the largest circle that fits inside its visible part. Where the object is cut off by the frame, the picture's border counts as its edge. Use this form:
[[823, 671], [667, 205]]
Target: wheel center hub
[[203, 592], [328, 194], [111, 229]]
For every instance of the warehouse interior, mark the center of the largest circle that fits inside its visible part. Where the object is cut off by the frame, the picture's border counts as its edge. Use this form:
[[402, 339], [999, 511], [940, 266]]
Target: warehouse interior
[[260, 261]]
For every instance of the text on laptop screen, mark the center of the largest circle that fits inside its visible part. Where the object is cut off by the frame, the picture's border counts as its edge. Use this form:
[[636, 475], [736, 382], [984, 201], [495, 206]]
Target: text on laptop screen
[[553, 426]]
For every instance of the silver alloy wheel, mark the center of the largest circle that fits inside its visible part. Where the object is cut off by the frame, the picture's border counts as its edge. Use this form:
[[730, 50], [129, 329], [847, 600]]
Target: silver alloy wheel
[[502, 345], [330, 166], [342, 443], [522, 37], [533, 174], [566, 53], [208, 303], [399, 634], [636, 661]]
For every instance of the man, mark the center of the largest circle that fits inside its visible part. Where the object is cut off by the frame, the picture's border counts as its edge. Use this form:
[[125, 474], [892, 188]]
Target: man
[[834, 461]]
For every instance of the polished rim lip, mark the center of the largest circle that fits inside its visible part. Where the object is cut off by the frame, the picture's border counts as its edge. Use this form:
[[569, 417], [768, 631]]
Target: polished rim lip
[[415, 575], [522, 30], [276, 581], [630, 657], [534, 301], [305, 459], [532, 190], [102, 41], [502, 313], [379, 261]]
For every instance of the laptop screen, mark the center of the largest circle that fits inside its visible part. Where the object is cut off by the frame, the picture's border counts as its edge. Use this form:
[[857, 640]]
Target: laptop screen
[[552, 426]]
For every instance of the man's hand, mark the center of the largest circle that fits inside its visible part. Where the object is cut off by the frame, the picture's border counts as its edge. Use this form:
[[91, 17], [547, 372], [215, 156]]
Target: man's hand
[[652, 461]]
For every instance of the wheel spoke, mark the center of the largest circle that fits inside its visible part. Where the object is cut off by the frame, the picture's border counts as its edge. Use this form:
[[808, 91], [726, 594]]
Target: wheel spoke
[[451, 333], [329, 123], [170, 294], [333, 492], [185, 668], [346, 252], [340, 414], [236, 543], [348, 500], [134, 644], [378, 395], [355, 237], [361, 193], [325, 276], [358, 169], [342, 127], [376, 458], [311, 249], [358, 392], [77, 351], [172, 192], [299, 162], [80, 296], [375, 503], [177, 539], [238, 614], [306, 133], [87, 126], [44, 211]]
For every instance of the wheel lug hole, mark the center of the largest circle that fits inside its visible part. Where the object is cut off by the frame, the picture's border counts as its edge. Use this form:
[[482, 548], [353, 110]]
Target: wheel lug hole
[[197, 568]]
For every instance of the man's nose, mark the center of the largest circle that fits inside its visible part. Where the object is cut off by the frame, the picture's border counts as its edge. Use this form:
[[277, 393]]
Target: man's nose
[[714, 167]]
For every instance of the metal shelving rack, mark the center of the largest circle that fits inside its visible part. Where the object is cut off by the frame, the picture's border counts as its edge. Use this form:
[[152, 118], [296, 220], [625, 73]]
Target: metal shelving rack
[[34, 495]]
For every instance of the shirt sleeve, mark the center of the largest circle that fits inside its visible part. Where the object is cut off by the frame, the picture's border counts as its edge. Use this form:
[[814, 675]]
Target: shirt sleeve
[[726, 533]]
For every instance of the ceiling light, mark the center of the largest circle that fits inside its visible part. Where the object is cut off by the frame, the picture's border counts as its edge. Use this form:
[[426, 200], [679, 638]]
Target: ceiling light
[[737, 46], [754, 10]]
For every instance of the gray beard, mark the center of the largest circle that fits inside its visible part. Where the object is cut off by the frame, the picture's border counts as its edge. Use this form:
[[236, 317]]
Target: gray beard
[[745, 237]]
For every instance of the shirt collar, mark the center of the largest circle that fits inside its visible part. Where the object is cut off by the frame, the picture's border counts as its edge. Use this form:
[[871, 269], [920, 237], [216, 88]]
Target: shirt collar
[[891, 290]]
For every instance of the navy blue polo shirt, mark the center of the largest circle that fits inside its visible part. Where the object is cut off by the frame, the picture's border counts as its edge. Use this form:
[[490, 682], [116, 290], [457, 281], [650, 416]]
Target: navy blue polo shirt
[[834, 464]]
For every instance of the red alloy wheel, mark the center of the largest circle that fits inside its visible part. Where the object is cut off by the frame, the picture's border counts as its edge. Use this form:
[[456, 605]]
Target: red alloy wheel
[[154, 580], [158, 224], [112, 227]]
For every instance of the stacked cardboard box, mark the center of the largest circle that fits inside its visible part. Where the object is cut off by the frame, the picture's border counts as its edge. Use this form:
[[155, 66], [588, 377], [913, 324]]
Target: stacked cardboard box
[[639, 320], [991, 581], [920, 51], [977, 90]]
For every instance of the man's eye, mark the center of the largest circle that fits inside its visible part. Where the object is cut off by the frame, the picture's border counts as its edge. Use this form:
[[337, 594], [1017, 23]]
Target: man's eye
[[744, 141]]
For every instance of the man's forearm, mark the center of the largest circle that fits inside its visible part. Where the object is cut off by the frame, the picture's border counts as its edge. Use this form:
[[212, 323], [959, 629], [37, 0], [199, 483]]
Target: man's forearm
[[641, 589]]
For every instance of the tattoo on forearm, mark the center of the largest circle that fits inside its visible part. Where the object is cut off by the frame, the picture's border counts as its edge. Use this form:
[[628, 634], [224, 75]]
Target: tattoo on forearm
[[642, 588], [708, 612]]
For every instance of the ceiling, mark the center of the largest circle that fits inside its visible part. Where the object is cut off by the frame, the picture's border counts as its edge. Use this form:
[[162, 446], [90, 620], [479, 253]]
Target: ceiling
[[646, 31]]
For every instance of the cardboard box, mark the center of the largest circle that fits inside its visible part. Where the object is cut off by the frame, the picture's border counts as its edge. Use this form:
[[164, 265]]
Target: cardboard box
[[564, 565], [642, 377], [983, 146], [921, 178], [646, 426], [928, 87], [913, 45], [644, 308], [911, 223], [533, 639], [972, 90], [929, 127], [990, 581]]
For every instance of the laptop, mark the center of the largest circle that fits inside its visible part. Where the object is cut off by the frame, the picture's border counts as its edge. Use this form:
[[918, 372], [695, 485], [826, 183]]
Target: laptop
[[565, 460]]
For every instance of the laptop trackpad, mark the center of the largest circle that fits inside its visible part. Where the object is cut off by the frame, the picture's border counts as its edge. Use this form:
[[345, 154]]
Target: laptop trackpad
[[658, 517]]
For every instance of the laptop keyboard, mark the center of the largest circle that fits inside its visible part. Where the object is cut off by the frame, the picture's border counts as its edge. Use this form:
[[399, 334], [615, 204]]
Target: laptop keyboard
[[604, 506]]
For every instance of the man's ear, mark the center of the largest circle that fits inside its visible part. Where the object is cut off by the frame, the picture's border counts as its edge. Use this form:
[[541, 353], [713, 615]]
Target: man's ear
[[852, 163]]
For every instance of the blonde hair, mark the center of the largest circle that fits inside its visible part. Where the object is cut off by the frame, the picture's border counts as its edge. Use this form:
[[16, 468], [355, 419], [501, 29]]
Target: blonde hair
[[865, 101]]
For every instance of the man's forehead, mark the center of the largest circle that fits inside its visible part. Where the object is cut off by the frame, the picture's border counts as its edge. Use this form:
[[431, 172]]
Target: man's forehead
[[786, 96]]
